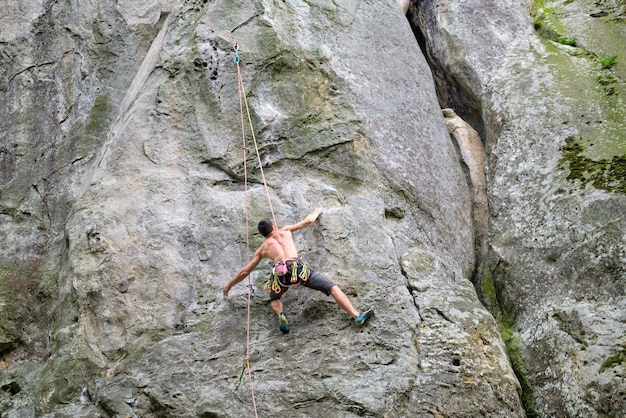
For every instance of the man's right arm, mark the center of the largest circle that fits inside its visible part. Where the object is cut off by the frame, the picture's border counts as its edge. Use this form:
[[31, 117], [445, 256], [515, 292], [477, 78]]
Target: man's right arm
[[244, 272], [312, 217]]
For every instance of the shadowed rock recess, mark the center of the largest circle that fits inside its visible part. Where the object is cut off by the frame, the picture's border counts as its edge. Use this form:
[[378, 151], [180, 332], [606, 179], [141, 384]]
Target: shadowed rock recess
[[123, 211]]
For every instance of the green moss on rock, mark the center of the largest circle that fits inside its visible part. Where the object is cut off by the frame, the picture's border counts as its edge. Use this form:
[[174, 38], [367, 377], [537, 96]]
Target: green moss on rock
[[89, 133], [63, 378], [589, 72], [548, 25], [98, 114], [314, 114], [9, 308], [613, 361], [18, 304], [603, 174], [506, 326]]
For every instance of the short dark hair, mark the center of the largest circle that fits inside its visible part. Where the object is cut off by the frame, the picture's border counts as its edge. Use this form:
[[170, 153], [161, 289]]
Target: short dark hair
[[265, 227]]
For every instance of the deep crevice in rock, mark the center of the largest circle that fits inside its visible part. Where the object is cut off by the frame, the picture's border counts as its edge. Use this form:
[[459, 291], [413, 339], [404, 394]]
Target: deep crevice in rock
[[450, 93]]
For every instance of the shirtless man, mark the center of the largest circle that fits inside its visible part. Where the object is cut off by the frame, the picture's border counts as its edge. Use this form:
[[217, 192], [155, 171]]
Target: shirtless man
[[290, 270]]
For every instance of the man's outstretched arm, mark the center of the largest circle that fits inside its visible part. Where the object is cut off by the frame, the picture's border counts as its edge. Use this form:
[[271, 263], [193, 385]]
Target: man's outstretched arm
[[244, 272], [311, 217]]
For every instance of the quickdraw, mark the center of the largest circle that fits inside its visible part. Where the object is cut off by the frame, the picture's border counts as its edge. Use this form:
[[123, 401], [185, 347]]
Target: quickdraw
[[303, 275], [243, 370], [273, 284]]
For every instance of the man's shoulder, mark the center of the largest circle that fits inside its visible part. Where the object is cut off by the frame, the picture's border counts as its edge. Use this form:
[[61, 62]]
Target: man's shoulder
[[267, 242], [267, 245]]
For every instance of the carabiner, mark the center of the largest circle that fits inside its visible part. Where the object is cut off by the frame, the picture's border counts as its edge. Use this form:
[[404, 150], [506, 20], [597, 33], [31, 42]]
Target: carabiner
[[237, 58]]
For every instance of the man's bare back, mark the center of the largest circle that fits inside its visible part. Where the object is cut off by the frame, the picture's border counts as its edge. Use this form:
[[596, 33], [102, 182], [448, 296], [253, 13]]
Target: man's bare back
[[279, 246]]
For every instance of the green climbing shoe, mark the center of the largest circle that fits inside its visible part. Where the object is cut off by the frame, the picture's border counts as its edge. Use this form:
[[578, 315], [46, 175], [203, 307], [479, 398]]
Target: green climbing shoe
[[283, 324], [360, 320]]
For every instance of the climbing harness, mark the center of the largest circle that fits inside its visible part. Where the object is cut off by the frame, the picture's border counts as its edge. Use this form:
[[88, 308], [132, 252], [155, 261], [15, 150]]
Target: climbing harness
[[299, 274]]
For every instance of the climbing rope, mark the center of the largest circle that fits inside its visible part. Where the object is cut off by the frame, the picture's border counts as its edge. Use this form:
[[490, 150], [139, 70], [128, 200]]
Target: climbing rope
[[243, 102]]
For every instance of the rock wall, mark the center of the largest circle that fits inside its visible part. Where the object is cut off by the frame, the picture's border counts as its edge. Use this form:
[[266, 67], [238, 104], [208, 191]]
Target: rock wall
[[123, 214], [549, 103]]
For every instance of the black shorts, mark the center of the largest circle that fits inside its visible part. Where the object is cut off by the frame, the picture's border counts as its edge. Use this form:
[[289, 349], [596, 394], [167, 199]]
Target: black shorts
[[315, 281]]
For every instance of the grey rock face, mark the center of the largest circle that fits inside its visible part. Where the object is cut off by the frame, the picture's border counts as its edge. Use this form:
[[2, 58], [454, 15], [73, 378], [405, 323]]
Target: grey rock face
[[123, 198], [551, 107]]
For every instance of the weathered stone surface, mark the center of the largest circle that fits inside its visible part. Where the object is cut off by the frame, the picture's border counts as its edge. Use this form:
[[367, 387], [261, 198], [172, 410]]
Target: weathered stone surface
[[551, 108], [121, 207], [138, 180]]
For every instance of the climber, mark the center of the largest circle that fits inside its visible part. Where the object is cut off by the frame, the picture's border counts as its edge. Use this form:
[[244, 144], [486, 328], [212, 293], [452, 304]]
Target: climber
[[290, 270]]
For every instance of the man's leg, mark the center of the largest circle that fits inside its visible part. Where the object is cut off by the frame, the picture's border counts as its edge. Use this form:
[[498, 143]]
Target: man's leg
[[322, 284], [277, 306], [343, 301]]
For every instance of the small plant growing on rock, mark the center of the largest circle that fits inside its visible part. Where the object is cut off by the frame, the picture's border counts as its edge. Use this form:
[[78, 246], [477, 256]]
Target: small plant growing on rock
[[608, 62], [566, 41]]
